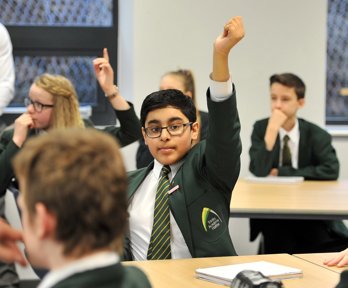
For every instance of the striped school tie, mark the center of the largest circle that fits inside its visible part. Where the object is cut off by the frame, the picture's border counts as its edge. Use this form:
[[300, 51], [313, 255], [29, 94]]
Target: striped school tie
[[286, 152], [159, 247]]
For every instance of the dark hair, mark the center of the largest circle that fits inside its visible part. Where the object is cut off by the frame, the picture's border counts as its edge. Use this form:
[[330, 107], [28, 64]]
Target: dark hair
[[79, 175], [290, 80], [168, 98]]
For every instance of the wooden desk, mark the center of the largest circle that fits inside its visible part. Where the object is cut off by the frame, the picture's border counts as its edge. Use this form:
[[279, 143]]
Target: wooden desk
[[180, 273], [305, 200], [318, 258]]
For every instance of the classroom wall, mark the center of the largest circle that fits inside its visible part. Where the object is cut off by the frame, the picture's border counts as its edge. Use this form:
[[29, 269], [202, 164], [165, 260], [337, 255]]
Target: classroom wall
[[281, 36]]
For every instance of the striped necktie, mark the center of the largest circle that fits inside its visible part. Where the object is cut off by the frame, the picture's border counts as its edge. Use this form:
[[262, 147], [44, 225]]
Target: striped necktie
[[286, 152], [159, 247]]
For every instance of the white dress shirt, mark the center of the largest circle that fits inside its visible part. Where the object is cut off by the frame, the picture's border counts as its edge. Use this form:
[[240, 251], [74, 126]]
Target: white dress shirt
[[141, 208], [294, 141], [7, 72], [98, 260]]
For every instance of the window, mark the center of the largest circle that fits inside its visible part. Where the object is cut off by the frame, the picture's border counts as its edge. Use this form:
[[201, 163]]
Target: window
[[62, 37], [337, 63]]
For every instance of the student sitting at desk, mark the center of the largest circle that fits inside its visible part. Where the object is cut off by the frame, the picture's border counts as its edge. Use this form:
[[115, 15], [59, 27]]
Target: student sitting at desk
[[74, 209], [53, 103], [286, 145], [188, 214]]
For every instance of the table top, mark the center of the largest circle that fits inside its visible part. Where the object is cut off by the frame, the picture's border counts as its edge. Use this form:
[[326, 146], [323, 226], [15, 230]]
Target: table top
[[180, 273], [318, 259], [303, 200]]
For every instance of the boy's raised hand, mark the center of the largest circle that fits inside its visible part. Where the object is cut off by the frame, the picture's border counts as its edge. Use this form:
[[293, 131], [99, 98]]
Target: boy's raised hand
[[104, 72], [232, 34]]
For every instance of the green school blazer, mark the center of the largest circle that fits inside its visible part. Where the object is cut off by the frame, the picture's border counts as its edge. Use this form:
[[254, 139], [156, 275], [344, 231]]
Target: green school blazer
[[114, 276], [201, 203], [317, 158]]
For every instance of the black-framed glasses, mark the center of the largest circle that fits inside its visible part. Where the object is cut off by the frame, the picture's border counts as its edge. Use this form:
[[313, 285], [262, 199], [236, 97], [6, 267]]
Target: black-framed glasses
[[155, 131], [38, 107]]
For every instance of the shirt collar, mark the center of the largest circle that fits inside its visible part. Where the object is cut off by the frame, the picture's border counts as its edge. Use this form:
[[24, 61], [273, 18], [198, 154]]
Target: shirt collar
[[174, 168], [294, 133], [98, 260]]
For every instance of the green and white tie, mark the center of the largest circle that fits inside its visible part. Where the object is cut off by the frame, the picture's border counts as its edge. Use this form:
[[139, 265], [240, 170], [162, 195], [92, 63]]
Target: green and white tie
[[159, 247]]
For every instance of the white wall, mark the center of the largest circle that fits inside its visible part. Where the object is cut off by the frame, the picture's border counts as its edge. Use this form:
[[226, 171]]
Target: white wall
[[281, 36]]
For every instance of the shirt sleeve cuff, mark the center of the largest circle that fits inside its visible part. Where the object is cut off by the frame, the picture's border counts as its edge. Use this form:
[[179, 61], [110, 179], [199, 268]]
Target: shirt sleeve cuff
[[220, 91]]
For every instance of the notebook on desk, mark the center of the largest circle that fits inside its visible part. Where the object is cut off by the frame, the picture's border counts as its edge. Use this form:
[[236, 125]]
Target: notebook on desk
[[275, 179], [224, 274]]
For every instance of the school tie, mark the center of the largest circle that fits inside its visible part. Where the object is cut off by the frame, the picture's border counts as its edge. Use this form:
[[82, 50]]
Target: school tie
[[159, 247], [286, 152]]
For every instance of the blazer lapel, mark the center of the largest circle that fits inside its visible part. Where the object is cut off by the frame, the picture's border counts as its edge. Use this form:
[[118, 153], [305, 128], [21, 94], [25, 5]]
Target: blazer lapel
[[135, 178], [178, 204]]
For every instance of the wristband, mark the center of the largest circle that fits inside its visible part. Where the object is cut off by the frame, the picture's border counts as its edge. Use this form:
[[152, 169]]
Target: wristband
[[114, 94]]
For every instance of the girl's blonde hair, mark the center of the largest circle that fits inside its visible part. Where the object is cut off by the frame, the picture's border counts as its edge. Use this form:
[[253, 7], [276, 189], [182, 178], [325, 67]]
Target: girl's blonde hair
[[187, 79], [186, 76], [66, 111]]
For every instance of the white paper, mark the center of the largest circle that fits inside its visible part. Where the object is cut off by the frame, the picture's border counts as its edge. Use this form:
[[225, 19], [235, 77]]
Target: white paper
[[275, 179], [225, 274]]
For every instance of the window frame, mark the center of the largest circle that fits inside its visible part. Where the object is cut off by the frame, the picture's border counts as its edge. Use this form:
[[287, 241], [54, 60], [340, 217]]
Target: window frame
[[71, 41]]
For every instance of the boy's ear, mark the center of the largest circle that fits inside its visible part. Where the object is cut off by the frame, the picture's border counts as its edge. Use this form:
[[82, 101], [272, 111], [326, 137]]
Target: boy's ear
[[144, 135], [195, 131], [46, 221], [301, 102]]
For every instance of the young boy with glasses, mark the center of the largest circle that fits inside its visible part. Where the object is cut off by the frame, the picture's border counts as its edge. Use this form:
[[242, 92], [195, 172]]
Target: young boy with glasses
[[179, 206]]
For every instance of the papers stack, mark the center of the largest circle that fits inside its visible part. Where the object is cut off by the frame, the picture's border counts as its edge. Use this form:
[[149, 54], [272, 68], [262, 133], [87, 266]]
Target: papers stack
[[275, 179], [225, 274]]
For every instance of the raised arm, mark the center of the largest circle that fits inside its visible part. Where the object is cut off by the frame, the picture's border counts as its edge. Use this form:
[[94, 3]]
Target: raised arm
[[105, 77], [232, 34], [223, 145], [130, 128]]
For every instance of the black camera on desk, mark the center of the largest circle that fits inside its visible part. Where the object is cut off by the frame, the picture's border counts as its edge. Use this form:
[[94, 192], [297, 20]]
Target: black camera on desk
[[254, 279]]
